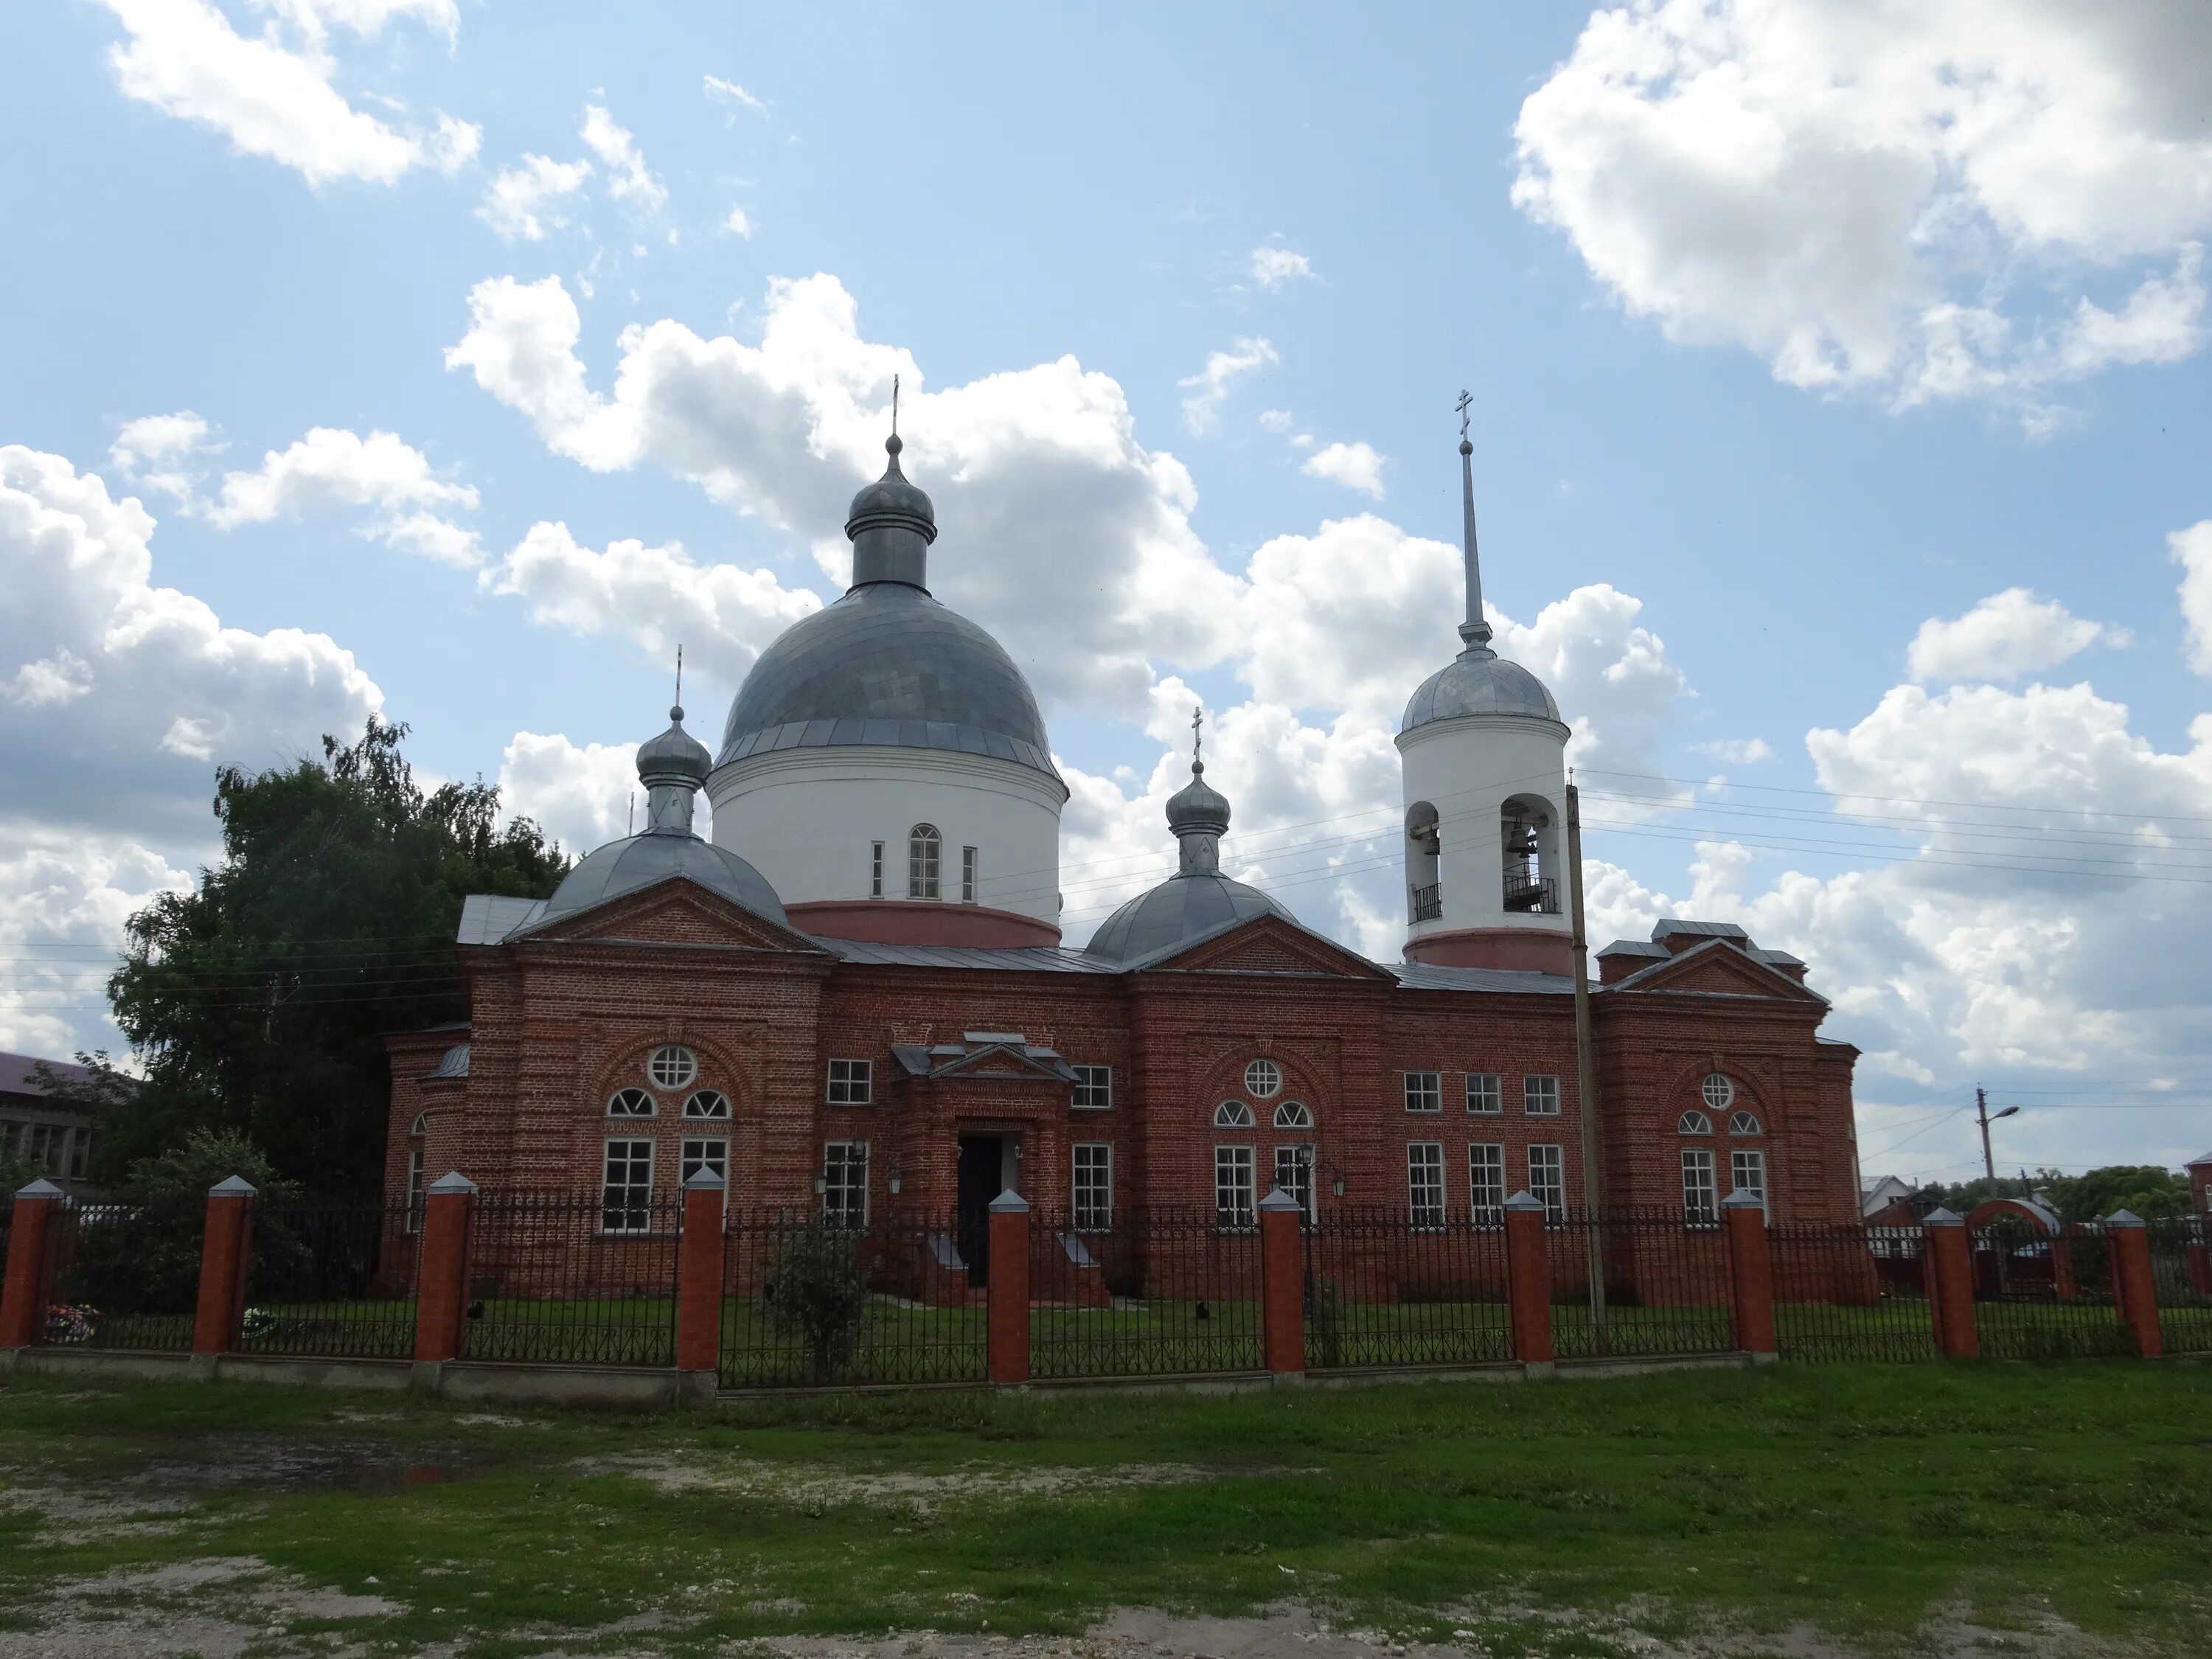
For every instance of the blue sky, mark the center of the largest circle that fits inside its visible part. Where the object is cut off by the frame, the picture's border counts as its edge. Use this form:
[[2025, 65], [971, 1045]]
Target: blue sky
[[1788, 333]]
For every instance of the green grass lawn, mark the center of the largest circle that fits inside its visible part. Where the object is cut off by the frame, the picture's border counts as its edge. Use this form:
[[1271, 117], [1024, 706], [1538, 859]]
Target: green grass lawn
[[1858, 1500]]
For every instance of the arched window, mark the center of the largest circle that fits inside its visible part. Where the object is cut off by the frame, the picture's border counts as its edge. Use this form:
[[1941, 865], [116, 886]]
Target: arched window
[[1424, 843], [630, 1102], [421, 1125], [1262, 1079], [707, 1102], [1293, 1114], [924, 852], [1232, 1115], [1745, 1123], [1719, 1092], [672, 1066], [1528, 838], [1694, 1123]]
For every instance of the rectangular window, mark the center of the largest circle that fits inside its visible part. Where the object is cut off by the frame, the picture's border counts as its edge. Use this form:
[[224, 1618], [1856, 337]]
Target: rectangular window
[[1094, 1087], [1094, 1186], [1235, 1204], [1748, 1172], [1699, 1202], [967, 875], [1486, 1180], [1294, 1175], [1485, 1093], [845, 1183], [1540, 1097], [1425, 1182], [1547, 1180], [875, 869], [626, 1199], [415, 1191], [851, 1082], [1425, 1091], [80, 1152], [921, 852], [708, 1158]]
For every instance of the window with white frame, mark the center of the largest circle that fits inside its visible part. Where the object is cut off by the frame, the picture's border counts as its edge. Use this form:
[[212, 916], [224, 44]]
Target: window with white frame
[[924, 846], [1425, 1183], [707, 1102], [851, 1082], [1094, 1186], [1745, 1123], [626, 1194], [630, 1102], [1693, 1123], [845, 1183], [1294, 1171], [1748, 1172], [967, 875], [1425, 1091], [1263, 1079], [1540, 1097], [1700, 1203], [672, 1066], [1094, 1087], [1485, 1093], [1547, 1180], [1294, 1115], [1486, 1180], [80, 1150], [708, 1158], [1235, 1203], [875, 869], [415, 1191], [1719, 1092], [421, 1125], [1233, 1115]]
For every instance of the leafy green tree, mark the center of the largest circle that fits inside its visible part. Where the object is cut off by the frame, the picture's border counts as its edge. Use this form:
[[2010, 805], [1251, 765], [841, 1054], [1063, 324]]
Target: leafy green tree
[[259, 1002], [2147, 1189], [820, 1294]]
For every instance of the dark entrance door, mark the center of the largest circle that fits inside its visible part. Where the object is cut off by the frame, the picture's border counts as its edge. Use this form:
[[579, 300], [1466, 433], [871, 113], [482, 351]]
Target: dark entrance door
[[980, 1156]]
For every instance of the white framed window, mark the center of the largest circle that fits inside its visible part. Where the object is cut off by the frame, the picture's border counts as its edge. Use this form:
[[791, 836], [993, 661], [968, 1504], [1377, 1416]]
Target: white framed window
[[1700, 1203], [421, 1125], [1485, 1181], [845, 1183], [1294, 1170], [1540, 1097], [1235, 1203], [1747, 1171], [626, 1194], [1094, 1087], [1425, 1091], [672, 1066], [1263, 1079], [1719, 1092], [1094, 1186], [924, 847], [1233, 1115], [851, 1082], [1485, 1093], [1693, 1123], [967, 875], [1745, 1123], [1425, 1182], [414, 1223], [1294, 1115], [707, 1102], [630, 1102], [875, 869], [708, 1158], [80, 1150], [1547, 1180]]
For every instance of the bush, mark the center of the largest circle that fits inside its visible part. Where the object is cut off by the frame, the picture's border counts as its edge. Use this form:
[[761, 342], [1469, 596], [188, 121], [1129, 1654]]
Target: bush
[[820, 1293]]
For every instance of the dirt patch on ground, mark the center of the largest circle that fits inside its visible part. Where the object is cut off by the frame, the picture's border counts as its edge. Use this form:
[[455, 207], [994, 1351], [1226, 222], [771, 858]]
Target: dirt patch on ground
[[817, 1486], [217, 1608]]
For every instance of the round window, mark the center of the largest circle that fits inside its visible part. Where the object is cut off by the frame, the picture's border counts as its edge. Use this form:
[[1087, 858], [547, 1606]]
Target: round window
[[672, 1067], [1719, 1091], [1262, 1077]]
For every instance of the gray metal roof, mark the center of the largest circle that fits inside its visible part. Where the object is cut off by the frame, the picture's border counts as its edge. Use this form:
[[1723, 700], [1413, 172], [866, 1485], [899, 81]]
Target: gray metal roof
[[1676, 928], [1478, 682], [888, 665], [1635, 947], [454, 1062], [1181, 910], [1427, 976], [1024, 959], [638, 861], [2202, 1157], [488, 918], [1778, 958]]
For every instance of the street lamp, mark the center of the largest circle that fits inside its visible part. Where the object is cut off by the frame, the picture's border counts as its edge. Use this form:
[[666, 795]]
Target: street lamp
[[1982, 1111]]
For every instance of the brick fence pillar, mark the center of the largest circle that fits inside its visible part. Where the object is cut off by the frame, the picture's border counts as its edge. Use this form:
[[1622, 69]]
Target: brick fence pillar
[[2135, 1288], [1751, 1274], [1007, 1319], [29, 1285], [225, 1243], [2200, 1267], [1949, 1267], [1529, 1279], [1282, 1284], [442, 1272], [699, 1285]]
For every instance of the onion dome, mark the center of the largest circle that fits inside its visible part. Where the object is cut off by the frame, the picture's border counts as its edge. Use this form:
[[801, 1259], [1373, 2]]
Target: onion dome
[[674, 756], [1199, 815], [891, 503], [1196, 901]]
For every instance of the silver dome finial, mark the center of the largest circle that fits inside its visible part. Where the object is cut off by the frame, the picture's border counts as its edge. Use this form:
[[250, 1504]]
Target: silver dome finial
[[675, 709], [1198, 740], [1474, 632]]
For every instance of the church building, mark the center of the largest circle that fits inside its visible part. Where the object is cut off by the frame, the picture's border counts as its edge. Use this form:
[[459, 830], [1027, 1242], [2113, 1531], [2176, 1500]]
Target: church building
[[855, 998]]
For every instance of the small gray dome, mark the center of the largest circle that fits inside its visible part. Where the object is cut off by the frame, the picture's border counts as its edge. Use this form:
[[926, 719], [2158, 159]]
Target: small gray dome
[[892, 502], [1197, 807], [674, 756], [1181, 908], [1479, 681], [638, 861]]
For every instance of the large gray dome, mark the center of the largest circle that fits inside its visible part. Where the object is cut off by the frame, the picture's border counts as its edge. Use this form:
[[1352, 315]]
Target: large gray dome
[[887, 664], [1181, 908], [636, 862], [1479, 681]]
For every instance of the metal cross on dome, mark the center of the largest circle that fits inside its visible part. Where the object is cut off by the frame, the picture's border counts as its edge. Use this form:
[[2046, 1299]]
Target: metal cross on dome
[[1465, 400], [1197, 733]]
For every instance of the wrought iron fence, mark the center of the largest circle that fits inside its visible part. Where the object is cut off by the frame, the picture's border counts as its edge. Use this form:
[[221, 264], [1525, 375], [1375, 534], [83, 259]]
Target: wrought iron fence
[[806, 1301], [1380, 1290], [125, 1276], [2041, 1298], [334, 1280], [1158, 1293], [565, 1278], [2181, 1270], [1664, 1283], [1851, 1293]]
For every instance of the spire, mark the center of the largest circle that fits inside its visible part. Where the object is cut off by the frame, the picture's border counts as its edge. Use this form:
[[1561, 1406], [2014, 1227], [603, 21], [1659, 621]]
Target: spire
[[892, 523], [672, 767], [1475, 631], [1198, 814]]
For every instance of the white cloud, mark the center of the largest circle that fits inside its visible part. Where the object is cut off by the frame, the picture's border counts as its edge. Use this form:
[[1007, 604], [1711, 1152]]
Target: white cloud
[[520, 203], [1273, 266], [1277, 420], [2006, 635], [154, 452], [64, 897], [275, 98], [628, 177], [51, 681], [730, 93], [1911, 200], [580, 796], [2191, 549], [1737, 751], [737, 224], [333, 467], [1355, 466], [1209, 387]]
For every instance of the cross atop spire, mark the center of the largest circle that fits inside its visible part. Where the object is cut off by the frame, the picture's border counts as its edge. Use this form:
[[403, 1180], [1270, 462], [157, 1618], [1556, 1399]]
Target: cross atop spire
[[1475, 631], [895, 405], [677, 713], [1198, 739], [1466, 400]]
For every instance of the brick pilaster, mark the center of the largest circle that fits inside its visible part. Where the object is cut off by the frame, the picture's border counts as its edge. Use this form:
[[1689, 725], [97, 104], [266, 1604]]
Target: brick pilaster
[[1751, 1272], [1008, 1315], [699, 1267], [225, 1246], [1282, 1284], [1529, 1279], [2135, 1287], [1950, 1277], [30, 1281], [441, 1301]]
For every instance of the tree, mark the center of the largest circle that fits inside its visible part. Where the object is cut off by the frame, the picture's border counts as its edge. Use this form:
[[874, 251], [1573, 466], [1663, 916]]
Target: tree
[[820, 1294], [2145, 1189], [257, 1003]]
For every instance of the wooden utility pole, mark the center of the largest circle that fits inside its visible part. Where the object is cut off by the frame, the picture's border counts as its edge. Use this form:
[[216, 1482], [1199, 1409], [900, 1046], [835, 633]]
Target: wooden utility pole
[[1585, 1064]]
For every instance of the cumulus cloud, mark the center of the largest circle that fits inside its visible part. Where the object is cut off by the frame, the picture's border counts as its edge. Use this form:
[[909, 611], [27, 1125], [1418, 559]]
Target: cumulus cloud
[[1273, 265], [1209, 387], [272, 94], [629, 178], [1915, 201], [155, 452], [331, 467], [581, 794], [63, 899], [2006, 635], [2191, 549], [1737, 751], [737, 224], [1355, 466], [520, 202]]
